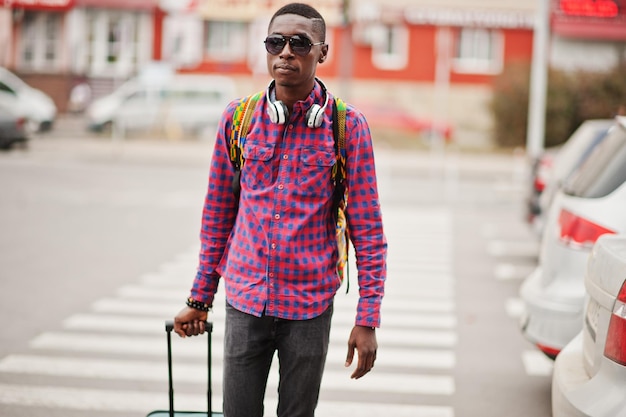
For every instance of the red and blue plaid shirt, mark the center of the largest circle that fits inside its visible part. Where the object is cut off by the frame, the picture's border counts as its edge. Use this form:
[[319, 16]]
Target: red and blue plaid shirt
[[276, 248]]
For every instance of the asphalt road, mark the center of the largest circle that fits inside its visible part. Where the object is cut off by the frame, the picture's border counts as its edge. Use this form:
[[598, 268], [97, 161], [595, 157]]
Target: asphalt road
[[98, 245]]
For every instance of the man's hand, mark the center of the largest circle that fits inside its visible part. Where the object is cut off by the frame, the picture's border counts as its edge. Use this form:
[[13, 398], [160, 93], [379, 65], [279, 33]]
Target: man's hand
[[190, 322], [363, 339]]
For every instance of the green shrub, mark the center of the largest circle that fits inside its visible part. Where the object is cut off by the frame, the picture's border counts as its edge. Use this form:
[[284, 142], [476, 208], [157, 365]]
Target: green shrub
[[572, 98]]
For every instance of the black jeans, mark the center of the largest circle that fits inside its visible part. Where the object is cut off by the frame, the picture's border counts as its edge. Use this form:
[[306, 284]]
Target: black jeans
[[249, 346]]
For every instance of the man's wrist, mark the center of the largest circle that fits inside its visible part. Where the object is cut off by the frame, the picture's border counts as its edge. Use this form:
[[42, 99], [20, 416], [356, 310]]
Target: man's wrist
[[198, 305]]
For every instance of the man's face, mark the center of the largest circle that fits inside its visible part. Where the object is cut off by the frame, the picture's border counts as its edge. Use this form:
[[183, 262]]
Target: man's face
[[287, 68]]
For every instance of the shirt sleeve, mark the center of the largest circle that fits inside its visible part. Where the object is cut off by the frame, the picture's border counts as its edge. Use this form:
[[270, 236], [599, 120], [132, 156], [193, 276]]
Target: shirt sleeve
[[218, 214], [365, 219]]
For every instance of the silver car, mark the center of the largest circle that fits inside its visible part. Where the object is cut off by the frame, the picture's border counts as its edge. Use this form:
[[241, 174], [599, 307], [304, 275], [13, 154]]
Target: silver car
[[554, 166], [589, 376], [36, 107], [12, 129], [591, 203]]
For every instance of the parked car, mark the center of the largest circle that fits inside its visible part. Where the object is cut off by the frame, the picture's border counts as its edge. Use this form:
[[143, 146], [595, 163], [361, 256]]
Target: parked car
[[12, 129], [539, 173], [556, 164], [30, 103], [188, 102], [591, 203], [589, 377]]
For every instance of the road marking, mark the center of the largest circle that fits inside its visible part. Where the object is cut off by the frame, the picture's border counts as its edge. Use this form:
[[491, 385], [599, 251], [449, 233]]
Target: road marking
[[336, 378], [154, 346], [536, 363], [499, 248], [506, 271], [390, 335], [168, 310], [417, 304], [143, 402], [514, 307], [125, 334]]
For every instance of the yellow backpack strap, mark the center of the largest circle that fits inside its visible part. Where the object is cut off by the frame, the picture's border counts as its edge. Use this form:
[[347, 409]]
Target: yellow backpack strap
[[242, 116], [339, 133], [340, 194]]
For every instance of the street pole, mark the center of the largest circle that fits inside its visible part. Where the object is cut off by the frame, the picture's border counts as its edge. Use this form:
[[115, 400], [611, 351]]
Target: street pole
[[538, 82]]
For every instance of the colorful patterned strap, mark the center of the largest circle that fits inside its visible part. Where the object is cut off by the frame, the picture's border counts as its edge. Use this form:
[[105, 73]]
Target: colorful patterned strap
[[241, 123]]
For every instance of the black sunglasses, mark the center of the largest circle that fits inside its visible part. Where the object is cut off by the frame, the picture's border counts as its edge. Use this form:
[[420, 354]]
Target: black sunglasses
[[300, 45]]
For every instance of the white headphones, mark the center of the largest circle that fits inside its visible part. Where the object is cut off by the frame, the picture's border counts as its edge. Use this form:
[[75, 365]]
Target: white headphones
[[278, 112]]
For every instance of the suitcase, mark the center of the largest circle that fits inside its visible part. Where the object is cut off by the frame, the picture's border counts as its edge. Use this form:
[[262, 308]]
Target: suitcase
[[169, 326]]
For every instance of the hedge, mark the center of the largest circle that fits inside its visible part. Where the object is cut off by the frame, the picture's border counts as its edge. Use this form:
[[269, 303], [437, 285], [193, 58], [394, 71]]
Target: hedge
[[572, 98]]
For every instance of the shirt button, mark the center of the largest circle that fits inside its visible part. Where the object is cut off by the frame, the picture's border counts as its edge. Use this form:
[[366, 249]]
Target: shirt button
[[277, 216], [285, 156], [290, 127], [273, 245], [271, 275], [280, 186]]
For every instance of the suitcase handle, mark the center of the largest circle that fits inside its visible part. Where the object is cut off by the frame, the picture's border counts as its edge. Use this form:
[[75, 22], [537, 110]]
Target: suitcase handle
[[169, 326]]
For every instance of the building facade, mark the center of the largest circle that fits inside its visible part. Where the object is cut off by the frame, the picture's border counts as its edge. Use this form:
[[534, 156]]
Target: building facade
[[432, 60]]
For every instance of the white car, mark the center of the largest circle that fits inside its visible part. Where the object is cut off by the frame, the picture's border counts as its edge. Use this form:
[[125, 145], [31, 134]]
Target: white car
[[186, 102], [25, 101], [589, 377], [591, 203], [568, 158]]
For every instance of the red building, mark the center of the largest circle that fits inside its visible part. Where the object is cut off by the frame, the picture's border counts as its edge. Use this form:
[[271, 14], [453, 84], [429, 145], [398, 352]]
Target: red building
[[416, 59]]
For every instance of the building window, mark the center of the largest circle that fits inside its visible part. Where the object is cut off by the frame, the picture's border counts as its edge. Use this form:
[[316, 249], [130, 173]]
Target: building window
[[478, 50], [225, 41], [390, 45], [40, 40], [113, 39]]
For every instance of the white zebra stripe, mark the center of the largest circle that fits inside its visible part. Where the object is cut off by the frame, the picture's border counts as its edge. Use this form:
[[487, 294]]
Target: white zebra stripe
[[335, 377], [150, 326], [141, 402], [154, 346]]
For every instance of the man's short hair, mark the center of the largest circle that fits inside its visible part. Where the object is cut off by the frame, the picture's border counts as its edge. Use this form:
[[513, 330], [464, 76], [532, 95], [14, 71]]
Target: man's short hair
[[304, 10]]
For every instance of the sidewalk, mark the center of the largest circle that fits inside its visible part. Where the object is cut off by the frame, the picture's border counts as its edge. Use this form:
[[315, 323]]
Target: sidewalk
[[70, 138]]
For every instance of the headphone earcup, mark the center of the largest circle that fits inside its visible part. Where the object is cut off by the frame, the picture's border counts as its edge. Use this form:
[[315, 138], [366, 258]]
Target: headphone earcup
[[277, 112], [315, 116]]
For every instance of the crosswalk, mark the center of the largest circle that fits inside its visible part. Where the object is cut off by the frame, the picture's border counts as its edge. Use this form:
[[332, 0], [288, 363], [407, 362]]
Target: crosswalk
[[112, 358]]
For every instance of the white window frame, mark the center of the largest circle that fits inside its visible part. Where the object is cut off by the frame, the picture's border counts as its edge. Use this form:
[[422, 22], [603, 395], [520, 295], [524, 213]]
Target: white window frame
[[128, 57], [478, 51], [390, 46], [45, 40], [225, 41]]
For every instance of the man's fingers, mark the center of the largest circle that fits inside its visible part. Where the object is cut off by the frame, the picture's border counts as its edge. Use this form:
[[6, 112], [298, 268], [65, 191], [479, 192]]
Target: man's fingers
[[180, 329], [364, 365], [350, 356], [194, 328]]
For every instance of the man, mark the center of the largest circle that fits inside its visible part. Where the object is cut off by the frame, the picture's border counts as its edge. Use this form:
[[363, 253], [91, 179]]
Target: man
[[275, 245]]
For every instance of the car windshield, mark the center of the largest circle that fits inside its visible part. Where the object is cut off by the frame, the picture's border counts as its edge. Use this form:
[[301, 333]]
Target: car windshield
[[604, 170], [12, 81]]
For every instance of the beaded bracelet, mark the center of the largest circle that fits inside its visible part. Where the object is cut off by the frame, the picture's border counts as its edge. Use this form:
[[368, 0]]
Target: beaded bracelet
[[198, 305]]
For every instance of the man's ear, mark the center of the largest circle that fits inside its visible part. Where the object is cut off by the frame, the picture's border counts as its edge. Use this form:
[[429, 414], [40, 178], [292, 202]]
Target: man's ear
[[324, 54]]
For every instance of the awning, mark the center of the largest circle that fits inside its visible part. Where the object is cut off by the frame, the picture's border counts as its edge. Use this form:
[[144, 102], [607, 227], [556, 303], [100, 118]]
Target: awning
[[55, 5], [119, 4]]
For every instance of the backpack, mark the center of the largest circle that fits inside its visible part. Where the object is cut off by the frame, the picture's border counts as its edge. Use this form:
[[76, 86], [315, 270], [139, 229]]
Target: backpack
[[241, 123]]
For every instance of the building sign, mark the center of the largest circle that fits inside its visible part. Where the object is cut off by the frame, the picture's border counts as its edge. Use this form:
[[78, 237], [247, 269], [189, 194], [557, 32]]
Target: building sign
[[249, 10], [39, 4], [469, 18], [589, 19], [589, 8], [119, 4]]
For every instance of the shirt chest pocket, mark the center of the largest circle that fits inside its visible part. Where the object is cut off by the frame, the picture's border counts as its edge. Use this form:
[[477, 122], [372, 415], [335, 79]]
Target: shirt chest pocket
[[315, 171], [257, 169]]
